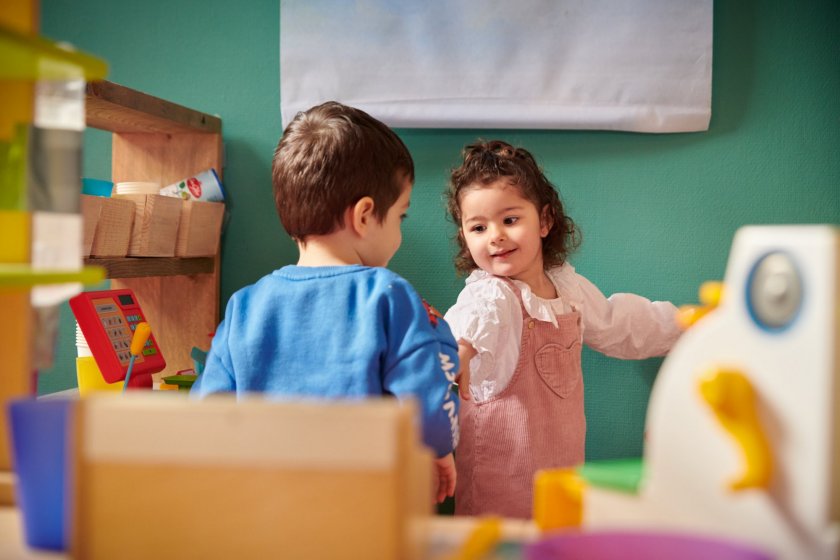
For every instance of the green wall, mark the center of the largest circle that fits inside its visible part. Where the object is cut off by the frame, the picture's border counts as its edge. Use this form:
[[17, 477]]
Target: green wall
[[658, 212]]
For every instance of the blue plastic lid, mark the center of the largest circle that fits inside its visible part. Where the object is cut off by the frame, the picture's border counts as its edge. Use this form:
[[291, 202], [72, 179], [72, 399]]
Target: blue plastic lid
[[96, 187]]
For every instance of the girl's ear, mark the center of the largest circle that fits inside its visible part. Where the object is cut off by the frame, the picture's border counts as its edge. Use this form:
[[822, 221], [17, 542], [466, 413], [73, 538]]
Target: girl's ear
[[546, 221], [361, 215]]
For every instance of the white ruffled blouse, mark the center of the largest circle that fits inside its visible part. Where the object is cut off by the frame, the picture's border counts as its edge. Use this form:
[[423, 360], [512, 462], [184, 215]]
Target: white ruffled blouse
[[487, 315]]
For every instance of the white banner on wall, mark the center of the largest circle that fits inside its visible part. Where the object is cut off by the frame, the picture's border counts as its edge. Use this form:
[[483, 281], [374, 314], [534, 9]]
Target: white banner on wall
[[633, 65]]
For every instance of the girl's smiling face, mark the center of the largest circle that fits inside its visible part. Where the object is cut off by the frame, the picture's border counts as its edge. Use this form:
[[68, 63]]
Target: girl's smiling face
[[503, 230]]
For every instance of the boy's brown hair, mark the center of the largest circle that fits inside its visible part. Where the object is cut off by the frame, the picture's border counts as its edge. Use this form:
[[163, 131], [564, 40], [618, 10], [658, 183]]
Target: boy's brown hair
[[330, 157], [485, 163]]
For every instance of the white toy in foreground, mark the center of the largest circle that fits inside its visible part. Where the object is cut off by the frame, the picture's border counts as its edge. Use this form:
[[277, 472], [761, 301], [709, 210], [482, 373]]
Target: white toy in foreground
[[743, 427]]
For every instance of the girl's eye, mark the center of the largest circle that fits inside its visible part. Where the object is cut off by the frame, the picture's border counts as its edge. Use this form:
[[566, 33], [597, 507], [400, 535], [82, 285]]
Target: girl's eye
[[478, 228], [510, 220]]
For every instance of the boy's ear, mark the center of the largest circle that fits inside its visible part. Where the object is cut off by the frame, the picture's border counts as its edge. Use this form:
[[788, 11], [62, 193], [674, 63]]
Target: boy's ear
[[546, 221], [361, 215]]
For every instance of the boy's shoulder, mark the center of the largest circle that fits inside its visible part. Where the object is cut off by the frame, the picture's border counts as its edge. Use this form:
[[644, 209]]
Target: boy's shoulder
[[376, 280], [397, 283]]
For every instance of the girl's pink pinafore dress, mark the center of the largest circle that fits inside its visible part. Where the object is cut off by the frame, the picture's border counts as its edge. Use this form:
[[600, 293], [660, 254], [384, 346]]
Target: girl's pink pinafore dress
[[536, 422]]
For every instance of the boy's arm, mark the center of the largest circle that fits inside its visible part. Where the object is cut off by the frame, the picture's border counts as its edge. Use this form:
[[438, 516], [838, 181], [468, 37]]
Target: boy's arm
[[427, 375], [421, 362], [217, 376]]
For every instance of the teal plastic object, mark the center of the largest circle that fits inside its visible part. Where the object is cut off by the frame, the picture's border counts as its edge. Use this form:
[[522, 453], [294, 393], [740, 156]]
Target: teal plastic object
[[198, 356], [624, 475], [97, 187]]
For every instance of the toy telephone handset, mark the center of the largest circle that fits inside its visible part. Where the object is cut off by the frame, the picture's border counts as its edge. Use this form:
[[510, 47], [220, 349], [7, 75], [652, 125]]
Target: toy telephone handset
[[108, 319]]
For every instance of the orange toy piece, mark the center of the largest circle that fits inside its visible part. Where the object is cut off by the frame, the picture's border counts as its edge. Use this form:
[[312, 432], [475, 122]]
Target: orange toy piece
[[558, 499], [731, 397], [710, 295]]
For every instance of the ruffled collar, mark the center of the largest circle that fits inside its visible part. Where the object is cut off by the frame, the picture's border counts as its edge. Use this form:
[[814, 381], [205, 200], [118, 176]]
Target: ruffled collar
[[537, 307]]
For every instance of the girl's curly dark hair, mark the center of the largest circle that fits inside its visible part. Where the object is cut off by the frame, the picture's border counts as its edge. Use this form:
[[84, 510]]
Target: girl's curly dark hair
[[487, 161]]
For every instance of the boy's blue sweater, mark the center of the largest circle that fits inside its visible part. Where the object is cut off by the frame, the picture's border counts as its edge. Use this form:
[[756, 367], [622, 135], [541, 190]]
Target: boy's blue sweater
[[337, 332]]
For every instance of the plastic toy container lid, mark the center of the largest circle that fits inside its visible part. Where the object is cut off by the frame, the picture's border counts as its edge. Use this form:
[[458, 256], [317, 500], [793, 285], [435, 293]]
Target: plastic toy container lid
[[639, 546], [183, 381], [96, 187]]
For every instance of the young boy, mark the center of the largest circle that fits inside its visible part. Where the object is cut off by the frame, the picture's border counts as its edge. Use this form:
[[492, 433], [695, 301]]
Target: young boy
[[338, 324]]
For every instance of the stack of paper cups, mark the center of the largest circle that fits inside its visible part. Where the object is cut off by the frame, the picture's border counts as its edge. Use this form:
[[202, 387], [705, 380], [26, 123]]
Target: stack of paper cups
[[136, 187], [81, 343]]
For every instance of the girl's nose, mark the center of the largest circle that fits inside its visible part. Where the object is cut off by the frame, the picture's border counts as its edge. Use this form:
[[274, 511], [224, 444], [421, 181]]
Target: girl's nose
[[497, 234]]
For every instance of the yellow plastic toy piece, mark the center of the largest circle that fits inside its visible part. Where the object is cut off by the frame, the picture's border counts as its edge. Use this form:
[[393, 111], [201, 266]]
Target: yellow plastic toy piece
[[15, 228], [141, 335], [687, 315], [731, 396], [483, 538], [558, 499], [90, 379], [28, 57], [710, 294], [21, 276]]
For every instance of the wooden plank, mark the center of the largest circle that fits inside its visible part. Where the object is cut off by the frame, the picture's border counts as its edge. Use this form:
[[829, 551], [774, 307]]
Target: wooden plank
[[116, 108], [7, 489], [282, 488], [133, 267], [16, 326], [182, 312], [163, 158], [21, 15], [16, 378]]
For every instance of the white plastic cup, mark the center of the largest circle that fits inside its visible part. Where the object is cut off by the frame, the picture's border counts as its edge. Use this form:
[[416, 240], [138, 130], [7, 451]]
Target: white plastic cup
[[82, 347], [136, 187]]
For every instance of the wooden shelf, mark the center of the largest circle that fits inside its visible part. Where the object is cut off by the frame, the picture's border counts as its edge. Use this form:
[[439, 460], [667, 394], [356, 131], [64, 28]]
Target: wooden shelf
[[139, 267], [116, 108], [159, 141]]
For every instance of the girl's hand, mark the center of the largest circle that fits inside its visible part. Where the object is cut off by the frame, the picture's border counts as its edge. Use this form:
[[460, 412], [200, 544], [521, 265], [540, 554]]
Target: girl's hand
[[465, 353], [463, 381]]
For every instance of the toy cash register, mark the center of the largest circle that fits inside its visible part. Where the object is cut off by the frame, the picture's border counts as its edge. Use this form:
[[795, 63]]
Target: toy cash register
[[107, 320]]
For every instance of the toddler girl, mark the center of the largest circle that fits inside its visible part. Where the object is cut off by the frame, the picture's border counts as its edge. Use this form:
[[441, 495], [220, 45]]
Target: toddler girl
[[520, 322]]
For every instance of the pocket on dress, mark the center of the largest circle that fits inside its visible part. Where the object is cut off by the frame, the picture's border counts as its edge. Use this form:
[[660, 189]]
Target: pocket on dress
[[559, 367]]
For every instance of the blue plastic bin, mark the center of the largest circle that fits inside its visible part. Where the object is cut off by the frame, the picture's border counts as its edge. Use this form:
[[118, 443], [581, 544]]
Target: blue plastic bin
[[40, 430]]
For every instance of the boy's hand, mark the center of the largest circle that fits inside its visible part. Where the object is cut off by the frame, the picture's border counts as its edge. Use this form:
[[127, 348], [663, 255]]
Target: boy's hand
[[444, 477], [465, 353]]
